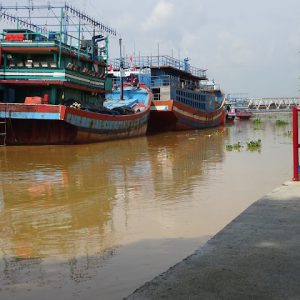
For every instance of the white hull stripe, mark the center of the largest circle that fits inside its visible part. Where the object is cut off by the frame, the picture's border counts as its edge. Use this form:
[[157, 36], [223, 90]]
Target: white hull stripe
[[28, 43], [182, 112], [52, 74], [160, 107], [85, 80]]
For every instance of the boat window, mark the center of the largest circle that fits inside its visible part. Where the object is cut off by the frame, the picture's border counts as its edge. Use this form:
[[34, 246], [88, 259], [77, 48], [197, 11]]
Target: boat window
[[36, 64], [20, 64], [44, 64]]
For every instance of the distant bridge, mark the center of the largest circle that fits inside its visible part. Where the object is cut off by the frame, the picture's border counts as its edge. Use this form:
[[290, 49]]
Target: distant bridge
[[284, 103]]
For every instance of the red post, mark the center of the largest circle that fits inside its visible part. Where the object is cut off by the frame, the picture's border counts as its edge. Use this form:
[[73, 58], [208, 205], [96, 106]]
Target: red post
[[295, 144], [46, 99]]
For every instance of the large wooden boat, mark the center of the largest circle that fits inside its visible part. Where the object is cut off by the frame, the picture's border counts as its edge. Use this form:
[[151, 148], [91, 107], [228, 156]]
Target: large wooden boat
[[54, 87], [180, 99]]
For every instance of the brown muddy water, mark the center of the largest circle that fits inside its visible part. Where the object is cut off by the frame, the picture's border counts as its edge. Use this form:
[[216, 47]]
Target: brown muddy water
[[97, 221]]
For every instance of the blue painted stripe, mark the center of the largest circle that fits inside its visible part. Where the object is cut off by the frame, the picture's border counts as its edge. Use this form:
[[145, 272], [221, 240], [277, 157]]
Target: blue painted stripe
[[29, 115], [88, 124], [199, 124]]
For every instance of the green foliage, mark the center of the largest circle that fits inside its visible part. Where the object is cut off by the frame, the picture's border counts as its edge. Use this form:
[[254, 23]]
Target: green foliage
[[288, 133], [281, 123], [236, 146], [254, 145], [256, 121]]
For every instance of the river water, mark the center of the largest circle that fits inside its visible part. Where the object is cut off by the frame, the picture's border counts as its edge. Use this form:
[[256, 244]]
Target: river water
[[97, 221]]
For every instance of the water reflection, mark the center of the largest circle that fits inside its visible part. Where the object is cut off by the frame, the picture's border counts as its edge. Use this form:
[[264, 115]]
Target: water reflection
[[180, 162], [68, 213], [68, 202]]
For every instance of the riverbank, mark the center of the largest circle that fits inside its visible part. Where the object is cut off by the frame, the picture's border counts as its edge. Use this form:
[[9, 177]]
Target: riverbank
[[256, 256]]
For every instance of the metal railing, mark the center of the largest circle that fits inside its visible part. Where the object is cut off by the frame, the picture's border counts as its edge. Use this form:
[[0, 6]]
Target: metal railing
[[65, 42], [163, 80], [157, 62]]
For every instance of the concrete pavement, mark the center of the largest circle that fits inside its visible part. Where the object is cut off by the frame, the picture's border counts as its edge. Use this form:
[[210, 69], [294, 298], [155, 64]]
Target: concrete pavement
[[256, 256]]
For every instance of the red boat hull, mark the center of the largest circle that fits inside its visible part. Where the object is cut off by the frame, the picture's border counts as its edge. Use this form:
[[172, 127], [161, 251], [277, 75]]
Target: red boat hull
[[172, 115], [244, 115], [57, 124]]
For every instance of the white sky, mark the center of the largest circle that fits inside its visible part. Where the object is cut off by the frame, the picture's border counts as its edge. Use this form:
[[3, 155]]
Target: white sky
[[248, 46]]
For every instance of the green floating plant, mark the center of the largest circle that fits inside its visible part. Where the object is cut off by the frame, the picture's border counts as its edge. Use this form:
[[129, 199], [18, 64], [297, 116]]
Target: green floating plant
[[288, 133], [281, 123], [236, 146], [256, 121], [254, 145]]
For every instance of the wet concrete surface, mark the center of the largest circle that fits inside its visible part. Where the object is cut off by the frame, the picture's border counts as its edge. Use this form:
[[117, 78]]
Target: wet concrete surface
[[256, 256]]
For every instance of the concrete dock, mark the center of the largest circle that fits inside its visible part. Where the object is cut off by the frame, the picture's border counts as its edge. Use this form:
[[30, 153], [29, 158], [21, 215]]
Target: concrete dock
[[256, 256]]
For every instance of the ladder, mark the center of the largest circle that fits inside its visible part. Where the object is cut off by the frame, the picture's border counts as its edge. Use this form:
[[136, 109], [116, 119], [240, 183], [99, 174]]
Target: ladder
[[3, 128]]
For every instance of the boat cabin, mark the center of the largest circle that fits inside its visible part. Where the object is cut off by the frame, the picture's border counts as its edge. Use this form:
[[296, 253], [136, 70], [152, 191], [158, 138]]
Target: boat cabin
[[170, 79], [52, 67]]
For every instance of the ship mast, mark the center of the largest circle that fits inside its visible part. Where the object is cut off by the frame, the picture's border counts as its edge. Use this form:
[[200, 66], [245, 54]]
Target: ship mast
[[121, 71], [72, 23]]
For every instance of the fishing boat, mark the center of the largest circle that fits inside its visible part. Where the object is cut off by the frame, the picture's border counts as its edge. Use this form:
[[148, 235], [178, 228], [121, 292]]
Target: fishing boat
[[230, 112], [180, 99], [244, 114], [54, 87], [238, 104]]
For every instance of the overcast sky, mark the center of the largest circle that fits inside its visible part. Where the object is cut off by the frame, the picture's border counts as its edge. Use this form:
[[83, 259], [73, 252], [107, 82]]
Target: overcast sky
[[247, 46]]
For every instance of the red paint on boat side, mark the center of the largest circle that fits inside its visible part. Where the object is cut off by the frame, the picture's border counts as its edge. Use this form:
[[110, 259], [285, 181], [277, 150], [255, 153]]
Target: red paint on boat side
[[29, 49], [160, 103], [16, 107], [83, 88], [83, 137], [170, 120], [52, 82], [244, 115], [104, 117], [31, 82], [37, 132]]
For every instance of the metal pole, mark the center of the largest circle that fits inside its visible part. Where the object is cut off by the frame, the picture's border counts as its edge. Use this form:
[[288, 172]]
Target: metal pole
[[106, 50], [295, 144], [158, 53], [121, 70], [60, 38], [78, 46]]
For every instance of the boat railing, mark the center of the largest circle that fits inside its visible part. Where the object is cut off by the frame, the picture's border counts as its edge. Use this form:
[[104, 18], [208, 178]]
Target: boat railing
[[155, 82], [63, 41], [141, 62], [151, 81], [164, 80]]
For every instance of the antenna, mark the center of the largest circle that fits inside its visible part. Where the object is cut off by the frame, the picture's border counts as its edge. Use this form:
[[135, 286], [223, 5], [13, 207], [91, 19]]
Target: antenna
[[21, 21], [26, 20], [91, 21]]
